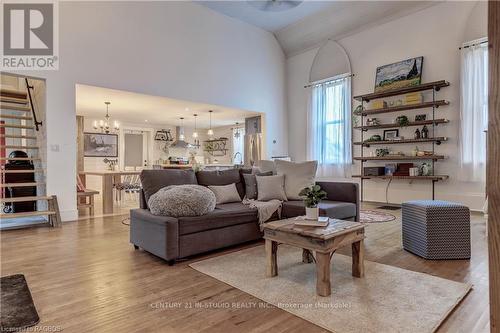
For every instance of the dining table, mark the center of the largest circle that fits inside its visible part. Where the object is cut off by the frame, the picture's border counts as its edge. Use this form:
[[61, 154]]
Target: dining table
[[108, 179]]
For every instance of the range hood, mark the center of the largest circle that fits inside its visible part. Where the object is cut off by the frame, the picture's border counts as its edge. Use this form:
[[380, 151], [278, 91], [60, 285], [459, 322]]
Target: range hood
[[180, 143]]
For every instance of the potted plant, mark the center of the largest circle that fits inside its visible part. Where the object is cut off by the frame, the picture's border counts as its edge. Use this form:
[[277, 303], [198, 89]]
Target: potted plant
[[312, 196]]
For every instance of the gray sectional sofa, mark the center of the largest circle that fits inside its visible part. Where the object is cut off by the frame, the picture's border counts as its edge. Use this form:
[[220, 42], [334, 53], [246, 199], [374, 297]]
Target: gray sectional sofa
[[229, 224]]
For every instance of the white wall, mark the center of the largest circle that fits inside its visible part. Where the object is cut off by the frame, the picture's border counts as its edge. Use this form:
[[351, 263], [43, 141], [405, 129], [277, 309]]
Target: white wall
[[435, 33], [172, 49]]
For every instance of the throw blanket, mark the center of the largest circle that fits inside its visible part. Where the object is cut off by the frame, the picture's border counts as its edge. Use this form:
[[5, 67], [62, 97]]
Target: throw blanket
[[265, 209]]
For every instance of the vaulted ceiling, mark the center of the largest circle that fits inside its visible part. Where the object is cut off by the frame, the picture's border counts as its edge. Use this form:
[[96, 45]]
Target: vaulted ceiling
[[313, 22]]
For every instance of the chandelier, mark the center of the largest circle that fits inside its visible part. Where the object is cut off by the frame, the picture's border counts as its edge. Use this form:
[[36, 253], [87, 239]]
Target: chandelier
[[105, 125]]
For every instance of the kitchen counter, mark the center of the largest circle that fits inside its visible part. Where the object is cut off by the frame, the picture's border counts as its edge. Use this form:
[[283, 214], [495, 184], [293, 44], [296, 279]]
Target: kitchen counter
[[212, 166], [176, 166]]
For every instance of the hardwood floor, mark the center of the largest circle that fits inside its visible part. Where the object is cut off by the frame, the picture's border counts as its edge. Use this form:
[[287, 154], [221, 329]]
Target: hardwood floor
[[86, 277]]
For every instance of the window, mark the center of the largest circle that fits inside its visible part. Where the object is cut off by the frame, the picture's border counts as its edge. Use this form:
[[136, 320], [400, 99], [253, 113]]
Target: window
[[329, 127], [474, 111], [238, 145]]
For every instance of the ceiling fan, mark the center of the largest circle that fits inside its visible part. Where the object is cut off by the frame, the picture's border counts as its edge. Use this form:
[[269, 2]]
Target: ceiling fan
[[274, 5]]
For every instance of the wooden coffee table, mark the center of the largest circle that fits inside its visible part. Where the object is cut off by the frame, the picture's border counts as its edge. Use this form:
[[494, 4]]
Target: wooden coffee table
[[324, 241]]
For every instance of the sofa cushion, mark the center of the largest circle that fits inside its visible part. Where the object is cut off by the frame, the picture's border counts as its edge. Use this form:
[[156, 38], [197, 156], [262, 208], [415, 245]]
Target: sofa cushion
[[333, 209], [251, 183], [225, 193], [297, 176], [153, 180], [224, 215], [271, 188], [266, 166], [222, 177]]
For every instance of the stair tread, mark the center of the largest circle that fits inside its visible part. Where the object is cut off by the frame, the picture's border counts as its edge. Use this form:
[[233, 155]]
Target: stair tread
[[21, 184], [21, 199], [9, 136], [18, 147], [22, 171], [26, 214], [19, 158], [10, 92], [9, 116], [14, 107], [17, 126], [15, 100]]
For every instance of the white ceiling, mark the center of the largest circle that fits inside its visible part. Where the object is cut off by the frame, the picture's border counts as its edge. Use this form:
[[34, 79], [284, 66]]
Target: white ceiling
[[268, 20], [313, 22], [136, 108]]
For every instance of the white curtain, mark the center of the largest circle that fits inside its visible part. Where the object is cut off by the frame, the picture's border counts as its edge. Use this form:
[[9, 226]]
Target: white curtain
[[473, 112], [329, 127]]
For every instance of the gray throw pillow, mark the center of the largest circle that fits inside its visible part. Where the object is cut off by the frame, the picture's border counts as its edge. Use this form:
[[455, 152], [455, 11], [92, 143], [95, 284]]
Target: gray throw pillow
[[182, 200], [297, 176], [251, 183], [271, 187], [225, 193]]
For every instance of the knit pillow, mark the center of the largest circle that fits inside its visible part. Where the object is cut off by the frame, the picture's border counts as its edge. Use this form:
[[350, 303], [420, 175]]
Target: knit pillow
[[182, 200]]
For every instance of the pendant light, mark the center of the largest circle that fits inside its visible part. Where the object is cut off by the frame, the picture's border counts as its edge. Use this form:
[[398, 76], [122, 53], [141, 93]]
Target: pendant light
[[181, 134], [104, 125], [210, 131], [195, 133], [237, 133]]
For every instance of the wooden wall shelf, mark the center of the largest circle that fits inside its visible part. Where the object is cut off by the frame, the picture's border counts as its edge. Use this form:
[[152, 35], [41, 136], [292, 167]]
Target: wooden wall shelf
[[436, 177], [434, 104], [413, 123], [399, 158], [421, 87], [404, 107], [438, 140]]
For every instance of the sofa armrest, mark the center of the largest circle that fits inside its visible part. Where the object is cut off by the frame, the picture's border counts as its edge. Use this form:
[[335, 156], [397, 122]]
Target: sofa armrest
[[142, 200], [156, 234], [344, 192]]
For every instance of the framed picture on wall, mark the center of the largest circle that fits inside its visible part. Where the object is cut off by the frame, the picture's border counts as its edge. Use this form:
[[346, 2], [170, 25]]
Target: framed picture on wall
[[100, 145], [401, 74]]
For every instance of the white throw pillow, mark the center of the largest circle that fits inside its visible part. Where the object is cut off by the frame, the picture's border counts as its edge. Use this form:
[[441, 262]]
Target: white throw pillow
[[271, 187], [266, 166], [225, 193], [297, 176]]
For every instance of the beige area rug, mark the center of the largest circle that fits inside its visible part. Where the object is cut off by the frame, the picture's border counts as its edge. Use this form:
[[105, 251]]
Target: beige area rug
[[388, 299]]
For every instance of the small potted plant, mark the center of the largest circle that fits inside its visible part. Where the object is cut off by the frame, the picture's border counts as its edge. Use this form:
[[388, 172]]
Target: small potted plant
[[312, 196]]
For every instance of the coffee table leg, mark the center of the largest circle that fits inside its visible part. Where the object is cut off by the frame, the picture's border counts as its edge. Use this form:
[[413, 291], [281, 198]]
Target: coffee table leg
[[307, 256], [323, 274], [272, 263], [358, 257]]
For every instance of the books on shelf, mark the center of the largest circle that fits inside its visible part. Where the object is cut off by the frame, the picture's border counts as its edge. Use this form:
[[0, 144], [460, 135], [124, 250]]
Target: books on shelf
[[378, 104], [413, 98]]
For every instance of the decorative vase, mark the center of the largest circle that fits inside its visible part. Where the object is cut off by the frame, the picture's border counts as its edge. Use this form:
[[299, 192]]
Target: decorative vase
[[312, 213]]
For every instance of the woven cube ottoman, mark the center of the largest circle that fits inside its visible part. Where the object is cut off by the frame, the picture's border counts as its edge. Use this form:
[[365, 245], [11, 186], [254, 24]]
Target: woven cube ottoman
[[436, 229]]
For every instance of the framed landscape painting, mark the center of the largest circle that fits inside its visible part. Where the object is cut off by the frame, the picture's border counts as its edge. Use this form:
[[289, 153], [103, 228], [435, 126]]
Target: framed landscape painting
[[398, 75], [100, 145]]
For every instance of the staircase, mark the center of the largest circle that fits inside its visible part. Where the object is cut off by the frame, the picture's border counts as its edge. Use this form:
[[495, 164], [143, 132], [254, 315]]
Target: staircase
[[18, 131]]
